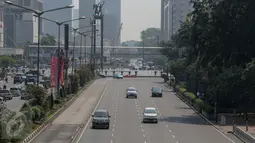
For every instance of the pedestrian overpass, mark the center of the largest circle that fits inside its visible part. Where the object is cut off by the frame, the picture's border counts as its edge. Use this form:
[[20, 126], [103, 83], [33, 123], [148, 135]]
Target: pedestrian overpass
[[109, 51]]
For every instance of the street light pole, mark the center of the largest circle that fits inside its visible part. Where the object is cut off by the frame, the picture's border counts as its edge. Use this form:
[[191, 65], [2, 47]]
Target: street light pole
[[74, 35], [59, 49], [39, 14], [80, 52], [85, 50]]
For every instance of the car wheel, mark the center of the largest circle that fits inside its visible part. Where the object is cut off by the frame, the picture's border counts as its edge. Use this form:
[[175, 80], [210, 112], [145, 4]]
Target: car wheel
[[126, 96], [156, 122], [93, 127], [135, 96], [108, 126]]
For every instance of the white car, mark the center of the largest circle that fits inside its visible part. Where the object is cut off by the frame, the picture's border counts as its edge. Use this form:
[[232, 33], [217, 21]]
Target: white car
[[131, 92], [150, 114]]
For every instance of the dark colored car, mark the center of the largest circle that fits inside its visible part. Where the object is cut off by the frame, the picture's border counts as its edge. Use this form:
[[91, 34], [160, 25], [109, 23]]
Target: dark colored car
[[17, 79], [156, 92], [101, 119]]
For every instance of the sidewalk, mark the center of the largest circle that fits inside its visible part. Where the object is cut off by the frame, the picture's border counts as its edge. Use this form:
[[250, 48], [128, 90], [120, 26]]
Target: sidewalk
[[66, 124]]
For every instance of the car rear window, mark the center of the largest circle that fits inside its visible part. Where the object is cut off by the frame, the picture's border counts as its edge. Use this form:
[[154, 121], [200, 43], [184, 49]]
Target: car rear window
[[150, 111], [131, 89], [156, 89], [100, 114]]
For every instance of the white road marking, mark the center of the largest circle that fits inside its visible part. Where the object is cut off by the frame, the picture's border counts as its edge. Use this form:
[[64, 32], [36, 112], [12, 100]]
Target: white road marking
[[173, 136], [145, 142], [142, 130], [113, 125], [167, 126], [112, 135], [113, 130], [88, 122], [143, 135], [170, 131], [115, 117], [177, 142], [111, 141], [114, 120], [141, 126]]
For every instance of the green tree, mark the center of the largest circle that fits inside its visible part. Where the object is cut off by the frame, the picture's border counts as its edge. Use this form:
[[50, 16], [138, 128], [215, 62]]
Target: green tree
[[48, 40], [7, 61], [150, 37]]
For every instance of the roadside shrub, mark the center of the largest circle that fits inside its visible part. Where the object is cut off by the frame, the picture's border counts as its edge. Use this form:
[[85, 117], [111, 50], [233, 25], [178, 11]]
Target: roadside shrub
[[57, 101], [75, 81], [32, 102], [37, 113], [191, 97]]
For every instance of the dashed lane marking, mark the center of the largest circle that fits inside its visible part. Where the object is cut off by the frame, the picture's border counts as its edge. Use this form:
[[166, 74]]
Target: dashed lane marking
[[112, 135], [173, 136]]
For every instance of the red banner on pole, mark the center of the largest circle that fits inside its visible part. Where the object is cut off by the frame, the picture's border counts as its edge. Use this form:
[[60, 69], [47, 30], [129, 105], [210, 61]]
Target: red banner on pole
[[53, 71], [62, 62]]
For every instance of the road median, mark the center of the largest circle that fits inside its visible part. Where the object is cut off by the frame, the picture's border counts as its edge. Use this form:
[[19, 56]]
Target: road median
[[65, 126], [30, 137]]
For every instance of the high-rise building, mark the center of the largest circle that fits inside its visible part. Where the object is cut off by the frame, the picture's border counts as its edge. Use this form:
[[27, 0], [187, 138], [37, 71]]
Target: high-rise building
[[60, 15], [112, 21], [75, 15], [18, 21], [86, 9], [172, 12]]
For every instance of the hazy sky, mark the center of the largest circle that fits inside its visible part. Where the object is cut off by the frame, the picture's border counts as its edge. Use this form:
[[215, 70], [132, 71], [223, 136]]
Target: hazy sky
[[137, 15]]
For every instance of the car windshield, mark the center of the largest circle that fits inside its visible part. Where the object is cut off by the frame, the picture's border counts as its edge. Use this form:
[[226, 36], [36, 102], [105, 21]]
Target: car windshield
[[150, 111], [131, 89], [156, 89], [100, 114]]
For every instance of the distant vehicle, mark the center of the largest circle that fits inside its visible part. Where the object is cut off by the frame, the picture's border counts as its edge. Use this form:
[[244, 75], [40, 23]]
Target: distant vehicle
[[117, 76], [131, 92], [150, 115], [17, 79], [156, 91], [101, 118], [15, 91], [6, 94]]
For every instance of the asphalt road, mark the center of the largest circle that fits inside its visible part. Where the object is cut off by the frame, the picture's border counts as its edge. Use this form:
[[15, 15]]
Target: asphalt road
[[16, 103], [177, 123]]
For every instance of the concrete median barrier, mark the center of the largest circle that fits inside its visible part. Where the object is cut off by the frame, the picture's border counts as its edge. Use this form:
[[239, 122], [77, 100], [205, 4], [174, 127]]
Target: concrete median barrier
[[241, 134]]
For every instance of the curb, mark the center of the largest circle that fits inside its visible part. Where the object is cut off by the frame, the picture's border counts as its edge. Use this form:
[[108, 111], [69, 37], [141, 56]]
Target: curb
[[201, 115], [36, 132], [79, 129]]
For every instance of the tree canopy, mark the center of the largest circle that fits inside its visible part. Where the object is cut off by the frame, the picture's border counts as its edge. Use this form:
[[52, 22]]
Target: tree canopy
[[150, 36], [48, 40], [6, 61], [216, 44]]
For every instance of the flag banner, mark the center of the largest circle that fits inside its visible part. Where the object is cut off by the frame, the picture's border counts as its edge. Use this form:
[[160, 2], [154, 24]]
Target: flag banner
[[53, 71]]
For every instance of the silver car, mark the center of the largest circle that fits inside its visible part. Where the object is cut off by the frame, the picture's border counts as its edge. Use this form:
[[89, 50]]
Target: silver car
[[150, 115], [131, 92], [6, 94]]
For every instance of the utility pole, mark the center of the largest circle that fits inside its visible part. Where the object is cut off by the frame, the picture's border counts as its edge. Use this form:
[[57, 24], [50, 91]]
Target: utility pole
[[66, 54], [91, 44], [99, 15], [143, 46]]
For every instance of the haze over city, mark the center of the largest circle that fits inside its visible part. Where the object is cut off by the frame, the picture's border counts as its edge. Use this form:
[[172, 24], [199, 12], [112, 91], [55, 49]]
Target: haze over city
[[135, 17]]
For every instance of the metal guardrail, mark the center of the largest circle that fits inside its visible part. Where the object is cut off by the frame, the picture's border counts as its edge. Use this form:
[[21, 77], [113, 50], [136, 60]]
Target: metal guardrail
[[247, 138]]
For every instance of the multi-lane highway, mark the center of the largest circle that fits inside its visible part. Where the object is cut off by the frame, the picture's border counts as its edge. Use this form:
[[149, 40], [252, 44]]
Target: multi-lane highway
[[177, 123]]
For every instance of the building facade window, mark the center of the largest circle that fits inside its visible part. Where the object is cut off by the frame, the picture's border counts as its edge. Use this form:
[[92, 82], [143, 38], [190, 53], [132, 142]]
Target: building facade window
[[27, 3]]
